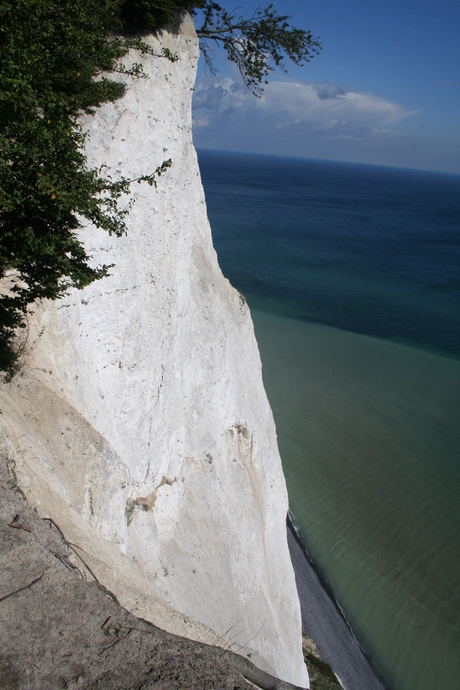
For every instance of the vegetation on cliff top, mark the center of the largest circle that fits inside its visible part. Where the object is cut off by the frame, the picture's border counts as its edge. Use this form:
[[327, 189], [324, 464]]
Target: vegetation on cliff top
[[50, 53]]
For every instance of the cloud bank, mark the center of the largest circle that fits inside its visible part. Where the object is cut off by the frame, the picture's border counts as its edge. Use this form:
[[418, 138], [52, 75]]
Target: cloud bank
[[287, 104], [312, 120]]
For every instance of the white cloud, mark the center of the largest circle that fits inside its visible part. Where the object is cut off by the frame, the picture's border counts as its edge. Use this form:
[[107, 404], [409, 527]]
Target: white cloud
[[315, 120], [199, 122], [286, 104]]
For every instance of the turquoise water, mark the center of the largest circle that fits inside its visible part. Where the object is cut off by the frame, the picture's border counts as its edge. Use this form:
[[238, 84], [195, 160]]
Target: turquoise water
[[352, 275]]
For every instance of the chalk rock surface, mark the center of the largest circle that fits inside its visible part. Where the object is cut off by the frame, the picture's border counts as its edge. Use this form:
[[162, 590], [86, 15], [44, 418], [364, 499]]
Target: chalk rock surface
[[60, 629], [140, 424]]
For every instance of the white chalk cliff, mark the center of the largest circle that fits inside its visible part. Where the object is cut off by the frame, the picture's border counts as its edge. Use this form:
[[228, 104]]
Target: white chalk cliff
[[140, 424]]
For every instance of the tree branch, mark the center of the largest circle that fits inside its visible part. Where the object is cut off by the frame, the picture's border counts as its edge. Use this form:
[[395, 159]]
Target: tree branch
[[258, 44]]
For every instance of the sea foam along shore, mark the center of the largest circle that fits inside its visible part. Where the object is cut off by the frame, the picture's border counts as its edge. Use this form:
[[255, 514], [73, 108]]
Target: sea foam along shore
[[324, 621]]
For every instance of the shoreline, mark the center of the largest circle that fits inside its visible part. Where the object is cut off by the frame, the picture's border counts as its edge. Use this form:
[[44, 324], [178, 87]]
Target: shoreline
[[324, 621]]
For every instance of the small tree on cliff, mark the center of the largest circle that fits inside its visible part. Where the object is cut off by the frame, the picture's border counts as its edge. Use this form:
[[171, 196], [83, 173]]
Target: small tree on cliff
[[50, 53]]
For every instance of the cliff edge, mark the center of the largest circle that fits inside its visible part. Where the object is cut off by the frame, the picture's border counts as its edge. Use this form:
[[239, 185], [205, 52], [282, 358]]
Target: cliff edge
[[139, 423]]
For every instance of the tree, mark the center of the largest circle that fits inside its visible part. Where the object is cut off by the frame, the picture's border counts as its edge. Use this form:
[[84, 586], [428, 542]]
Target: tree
[[256, 44], [50, 53]]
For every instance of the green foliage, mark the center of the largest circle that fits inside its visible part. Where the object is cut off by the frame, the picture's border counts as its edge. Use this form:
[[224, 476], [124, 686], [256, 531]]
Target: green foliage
[[50, 53], [321, 675], [256, 44], [141, 16]]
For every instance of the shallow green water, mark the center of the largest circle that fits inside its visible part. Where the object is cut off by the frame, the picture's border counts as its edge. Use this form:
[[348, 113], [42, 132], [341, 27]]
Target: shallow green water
[[369, 434], [368, 429]]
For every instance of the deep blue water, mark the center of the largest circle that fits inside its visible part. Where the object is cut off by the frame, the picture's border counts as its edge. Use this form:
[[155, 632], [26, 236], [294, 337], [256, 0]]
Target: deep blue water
[[367, 249], [352, 274]]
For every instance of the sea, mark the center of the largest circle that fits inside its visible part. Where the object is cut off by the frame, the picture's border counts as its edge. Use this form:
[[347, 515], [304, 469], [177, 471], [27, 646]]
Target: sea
[[352, 274]]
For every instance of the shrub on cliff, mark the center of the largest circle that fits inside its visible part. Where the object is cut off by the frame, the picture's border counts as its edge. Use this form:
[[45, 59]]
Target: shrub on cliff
[[50, 52], [140, 16]]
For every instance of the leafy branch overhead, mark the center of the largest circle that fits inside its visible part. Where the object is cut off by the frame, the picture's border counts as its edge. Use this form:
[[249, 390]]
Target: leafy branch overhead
[[257, 44]]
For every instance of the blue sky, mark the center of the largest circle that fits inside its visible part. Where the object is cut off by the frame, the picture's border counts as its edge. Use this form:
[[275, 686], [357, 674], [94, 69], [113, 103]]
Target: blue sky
[[384, 90]]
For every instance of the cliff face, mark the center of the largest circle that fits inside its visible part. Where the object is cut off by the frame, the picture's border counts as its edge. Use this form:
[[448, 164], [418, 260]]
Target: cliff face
[[140, 424]]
